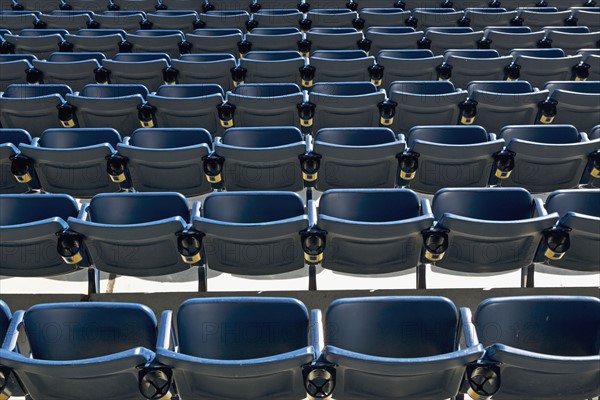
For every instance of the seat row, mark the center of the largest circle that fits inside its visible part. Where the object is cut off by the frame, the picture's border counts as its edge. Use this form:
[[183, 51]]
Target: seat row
[[359, 231], [368, 348], [126, 107], [187, 21], [84, 162]]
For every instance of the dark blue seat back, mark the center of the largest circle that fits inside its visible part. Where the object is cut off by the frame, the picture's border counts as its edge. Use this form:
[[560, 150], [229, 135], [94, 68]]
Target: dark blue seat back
[[141, 57], [471, 53], [137, 208], [370, 206], [583, 202], [344, 89], [81, 137], [267, 89], [157, 138], [558, 134], [43, 32], [261, 137], [75, 331], [21, 209], [540, 53], [579, 87], [71, 57], [422, 87], [14, 136], [355, 137], [191, 90], [5, 317], [252, 207], [455, 135], [406, 54], [557, 325], [505, 204], [158, 32], [241, 328], [111, 91], [100, 32], [15, 57], [396, 327], [511, 87], [339, 54], [205, 57], [272, 55], [25, 91]]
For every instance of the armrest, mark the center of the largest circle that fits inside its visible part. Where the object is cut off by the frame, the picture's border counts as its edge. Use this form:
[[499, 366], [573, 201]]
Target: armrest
[[492, 137], [316, 332], [467, 327], [218, 140], [309, 143], [305, 95], [83, 212], [312, 213], [195, 210], [35, 142], [163, 340], [126, 140], [540, 210], [583, 137], [426, 207], [12, 335]]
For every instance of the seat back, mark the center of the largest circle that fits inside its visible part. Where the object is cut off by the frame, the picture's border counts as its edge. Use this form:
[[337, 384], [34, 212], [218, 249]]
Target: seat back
[[22, 209], [137, 208], [81, 137], [369, 205], [252, 207], [579, 201]]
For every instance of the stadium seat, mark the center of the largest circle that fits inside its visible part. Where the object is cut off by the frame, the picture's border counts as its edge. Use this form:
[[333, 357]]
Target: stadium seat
[[269, 67], [74, 161], [127, 21], [549, 340], [356, 158], [591, 57], [372, 231], [18, 22], [408, 65], [185, 23], [12, 69], [68, 22], [257, 5], [187, 106], [275, 18], [36, 5], [205, 69], [465, 4], [9, 151], [167, 160], [96, 6], [30, 222], [134, 5], [33, 107], [229, 369], [448, 156], [392, 38], [481, 18], [343, 66], [423, 18], [231, 5], [39, 43], [274, 39], [169, 42], [439, 40], [104, 41], [331, 4], [10, 385], [544, 158], [263, 158], [574, 103], [215, 41], [119, 356], [464, 66], [378, 4], [73, 69], [262, 227], [134, 234], [486, 230], [367, 339], [539, 17], [225, 19], [262, 104], [503, 42], [494, 104], [336, 105], [517, 4], [568, 29], [120, 107], [579, 225], [424, 103], [557, 66], [586, 17], [571, 42], [149, 69], [332, 39], [383, 16]]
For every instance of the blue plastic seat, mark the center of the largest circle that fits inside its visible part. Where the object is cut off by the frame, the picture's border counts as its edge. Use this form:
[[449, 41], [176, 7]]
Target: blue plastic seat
[[408, 65], [10, 386], [218, 40], [340, 104], [149, 69], [13, 69], [171, 42], [486, 230], [480, 18], [105, 41], [372, 231], [538, 346], [136, 5], [367, 341], [39, 42], [9, 151], [332, 39], [119, 107], [33, 107], [344, 66], [230, 369], [575, 103], [68, 22], [74, 161], [544, 158], [187, 106], [424, 103], [464, 66], [441, 39], [16, 22], [580, 224], [587, 16], [356, 158], [557, 66], [262, 104], [167, 160], [73, 69], [225, 19], [274, 39], [423, 18], [275, 18], [537, 18], [448, 156], [129, 22], [494, 104], [233, 5], [590, 57], [205, 69], [262, 158], [269, 67], [263, 227], [34, 230], [386, 16], [331, 18], [393, 38], [66, 365], [503, 41], [184, 21]]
